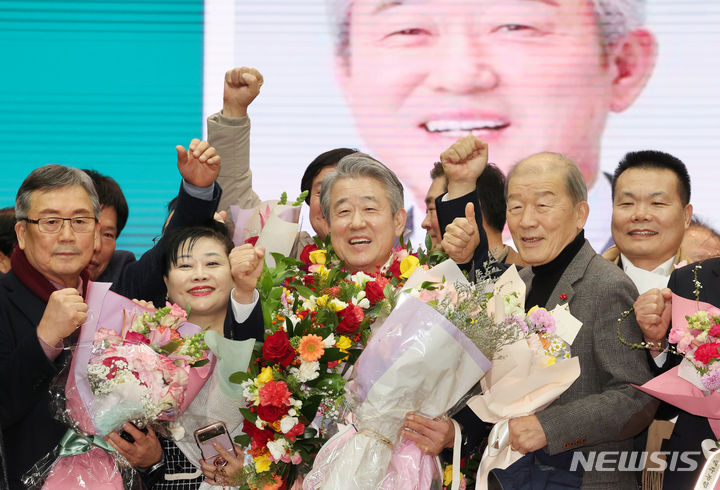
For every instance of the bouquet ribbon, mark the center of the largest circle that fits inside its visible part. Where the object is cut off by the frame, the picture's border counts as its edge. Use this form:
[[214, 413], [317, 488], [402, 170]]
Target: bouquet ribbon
[[73, 444]]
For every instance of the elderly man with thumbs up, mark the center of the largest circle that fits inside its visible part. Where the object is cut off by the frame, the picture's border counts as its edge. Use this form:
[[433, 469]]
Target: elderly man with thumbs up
[[546, 211]]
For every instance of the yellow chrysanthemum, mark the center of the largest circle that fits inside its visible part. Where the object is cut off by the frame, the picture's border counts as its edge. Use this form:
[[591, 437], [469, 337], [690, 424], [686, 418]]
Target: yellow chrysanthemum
[[318, 256], [447, 476], [343, 344], [322, 300], [262, 464], [311, 348], [264, 376], [408, 265]]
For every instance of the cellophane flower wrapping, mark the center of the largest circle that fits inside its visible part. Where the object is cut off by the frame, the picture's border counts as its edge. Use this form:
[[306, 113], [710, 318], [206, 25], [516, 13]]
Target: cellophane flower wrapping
[[526, 376], [693, 386], [116, 376], [416, 361]]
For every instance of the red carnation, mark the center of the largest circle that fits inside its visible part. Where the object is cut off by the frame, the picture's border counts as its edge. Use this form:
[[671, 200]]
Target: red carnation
[[308, 279], [714, 331], [277, 349], [706, 352], [274, 393], [259, 437], [252, 240], [374, 292], [305, 254], [271, 413], [395, 269], [350, 318], [297, 430]]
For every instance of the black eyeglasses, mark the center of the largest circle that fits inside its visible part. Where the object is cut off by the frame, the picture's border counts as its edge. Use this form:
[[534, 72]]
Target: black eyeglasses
[[53, 224]]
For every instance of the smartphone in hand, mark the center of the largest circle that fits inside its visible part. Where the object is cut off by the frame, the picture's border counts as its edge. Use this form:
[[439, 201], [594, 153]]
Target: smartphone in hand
[[207, 436]]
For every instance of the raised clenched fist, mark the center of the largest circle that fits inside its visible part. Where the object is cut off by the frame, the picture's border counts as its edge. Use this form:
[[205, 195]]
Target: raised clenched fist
[[242, 85], [65, 312], [246, 265]]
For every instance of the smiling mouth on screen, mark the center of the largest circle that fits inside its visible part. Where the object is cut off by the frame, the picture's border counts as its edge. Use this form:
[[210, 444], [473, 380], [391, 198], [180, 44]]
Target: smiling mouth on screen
[[457, 128]]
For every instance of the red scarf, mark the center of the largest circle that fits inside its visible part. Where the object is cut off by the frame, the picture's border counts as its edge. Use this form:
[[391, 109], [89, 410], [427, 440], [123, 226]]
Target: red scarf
[[36, 282]]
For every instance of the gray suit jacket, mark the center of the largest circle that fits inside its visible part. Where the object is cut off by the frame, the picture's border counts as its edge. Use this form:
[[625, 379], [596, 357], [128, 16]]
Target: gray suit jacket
[[601, 411]]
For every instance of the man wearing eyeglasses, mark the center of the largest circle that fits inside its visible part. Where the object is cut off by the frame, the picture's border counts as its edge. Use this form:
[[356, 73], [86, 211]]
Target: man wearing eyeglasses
[[41, 305]]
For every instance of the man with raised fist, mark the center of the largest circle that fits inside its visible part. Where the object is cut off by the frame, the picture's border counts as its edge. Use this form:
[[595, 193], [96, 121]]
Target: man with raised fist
[[42, 304]]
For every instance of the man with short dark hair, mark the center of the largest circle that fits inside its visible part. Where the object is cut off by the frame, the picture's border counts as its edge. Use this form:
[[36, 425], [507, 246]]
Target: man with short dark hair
[[196, 202], [437, 188], [651, 211]]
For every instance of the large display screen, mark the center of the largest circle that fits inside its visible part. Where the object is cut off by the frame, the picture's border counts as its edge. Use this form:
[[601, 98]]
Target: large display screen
[[401, 80]]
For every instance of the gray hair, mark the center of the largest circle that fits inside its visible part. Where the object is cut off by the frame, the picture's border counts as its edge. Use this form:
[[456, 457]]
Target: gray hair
[[362, 165], [614, 19], [574, 180], [53, 177]]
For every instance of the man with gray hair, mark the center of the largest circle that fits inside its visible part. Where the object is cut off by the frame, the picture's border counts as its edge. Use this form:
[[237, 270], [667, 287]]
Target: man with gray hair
[[41, 305], [524, 76], [362, 202], [601, 411]]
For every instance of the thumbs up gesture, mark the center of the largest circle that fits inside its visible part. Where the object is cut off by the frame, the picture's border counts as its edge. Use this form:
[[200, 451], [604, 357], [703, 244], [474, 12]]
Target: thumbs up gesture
[[462, 237]]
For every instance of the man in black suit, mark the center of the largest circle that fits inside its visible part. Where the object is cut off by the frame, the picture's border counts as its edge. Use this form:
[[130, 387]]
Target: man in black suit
[[196, 203], [653, 311]]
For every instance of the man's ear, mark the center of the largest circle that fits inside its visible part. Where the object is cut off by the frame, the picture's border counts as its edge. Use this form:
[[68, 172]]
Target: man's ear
[[631, 59], [399, 221], [688, 215], [20, 232], [583, 210]]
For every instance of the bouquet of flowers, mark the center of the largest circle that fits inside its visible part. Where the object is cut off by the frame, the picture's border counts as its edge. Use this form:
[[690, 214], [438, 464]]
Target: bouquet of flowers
[[318, 317], [527, 375], [428, 353], [272, 224], [130, 364]]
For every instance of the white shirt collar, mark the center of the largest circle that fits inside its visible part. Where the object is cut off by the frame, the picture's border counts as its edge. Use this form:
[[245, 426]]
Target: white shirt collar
[[645, 280]]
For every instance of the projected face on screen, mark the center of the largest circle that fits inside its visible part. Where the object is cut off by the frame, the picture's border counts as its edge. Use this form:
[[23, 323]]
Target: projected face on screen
[[523, 75]]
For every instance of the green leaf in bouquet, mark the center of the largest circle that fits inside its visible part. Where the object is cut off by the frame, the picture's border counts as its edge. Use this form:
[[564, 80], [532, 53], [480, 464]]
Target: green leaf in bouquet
[[240, 377], [353, 355], [328, 318], [200, 363], [248, 415], [332, 382], [283, 198], [303, 326], [310, 432], [304, 291], [322, 332], [289, 327], [243, 440], [310, 407], [428, 242], [170, 347], [332, 354]]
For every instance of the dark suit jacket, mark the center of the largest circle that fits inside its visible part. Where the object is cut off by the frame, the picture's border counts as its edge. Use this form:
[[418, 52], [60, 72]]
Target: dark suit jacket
[[29, 431], [143, 279], [601, 411], [690, 430]]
